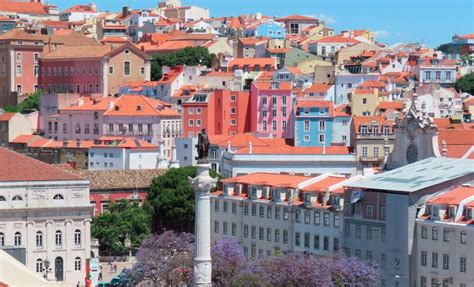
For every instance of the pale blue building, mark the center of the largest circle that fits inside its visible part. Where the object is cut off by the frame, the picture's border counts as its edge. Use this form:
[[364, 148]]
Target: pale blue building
[[314, 123], [270, 29]]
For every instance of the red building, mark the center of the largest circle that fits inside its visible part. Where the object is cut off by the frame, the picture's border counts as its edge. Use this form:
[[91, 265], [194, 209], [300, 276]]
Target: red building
[[220, 112]]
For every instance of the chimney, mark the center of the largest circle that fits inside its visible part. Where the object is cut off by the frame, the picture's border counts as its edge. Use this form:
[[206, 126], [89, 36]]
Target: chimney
[[125, 11], [250, 148], [444, 148]]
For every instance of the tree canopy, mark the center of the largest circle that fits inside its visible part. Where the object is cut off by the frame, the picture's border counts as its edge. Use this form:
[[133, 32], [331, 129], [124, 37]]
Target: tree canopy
[[28, 105], [171, 200], [465, 84], [123, 219], [449, 48], [191, 56]]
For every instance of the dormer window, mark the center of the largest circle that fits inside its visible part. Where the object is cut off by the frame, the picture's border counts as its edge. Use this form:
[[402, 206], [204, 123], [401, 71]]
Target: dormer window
[[139, 108], [469, 213], [307, 197], [435, 211], [116, 108], [452, 211], [363, 129], [253, 192]]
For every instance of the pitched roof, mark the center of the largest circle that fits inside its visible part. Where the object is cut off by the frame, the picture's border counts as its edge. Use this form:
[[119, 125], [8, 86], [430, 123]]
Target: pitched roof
[[252, 41], [33, 8], [268, 179], [336, 39], [119, 179], [31, 169], [324, 184], [69, 52], [398, 105], [237, 141], [240, 62], [453, 196], [124, 142], [138, 105], [317, 88], [81, 8], [284, 85], [297, 18]]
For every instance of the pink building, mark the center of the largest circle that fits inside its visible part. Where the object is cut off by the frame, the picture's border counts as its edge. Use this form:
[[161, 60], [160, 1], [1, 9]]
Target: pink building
[[90, 118], [271, 108]]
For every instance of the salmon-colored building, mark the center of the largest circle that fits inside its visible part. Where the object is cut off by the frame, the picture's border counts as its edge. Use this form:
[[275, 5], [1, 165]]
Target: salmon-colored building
[[220, 112], [93, 69]]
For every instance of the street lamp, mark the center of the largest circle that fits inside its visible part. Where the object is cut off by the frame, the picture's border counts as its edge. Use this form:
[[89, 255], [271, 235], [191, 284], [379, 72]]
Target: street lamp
[[46, 268]]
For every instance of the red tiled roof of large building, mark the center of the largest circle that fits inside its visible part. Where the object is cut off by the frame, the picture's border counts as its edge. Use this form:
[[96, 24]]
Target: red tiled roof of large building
[[359, 91], [25, 139], [368, 120], [324, 184], [453, 196], [468, 36], [342, 111], [316, 104], [31, 169], [252, 41], [138, 105], [397, 105], [237, 141], [317, 88], [372, 84], [114, 40], [124, 142], [297, 18], [81, 8], [286, 85], [90, 104], [268, 179], [294, 70], [459, 141], [251, 62], [171, 46], [33, 8], [6, 116], [336, 39]]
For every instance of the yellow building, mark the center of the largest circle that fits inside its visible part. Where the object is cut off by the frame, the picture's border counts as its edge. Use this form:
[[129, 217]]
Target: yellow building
[[364, 101], [354, 50]]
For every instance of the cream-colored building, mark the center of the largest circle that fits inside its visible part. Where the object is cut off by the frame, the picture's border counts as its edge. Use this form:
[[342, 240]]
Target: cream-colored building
[[364, 102], [45, 215], [354, 50]]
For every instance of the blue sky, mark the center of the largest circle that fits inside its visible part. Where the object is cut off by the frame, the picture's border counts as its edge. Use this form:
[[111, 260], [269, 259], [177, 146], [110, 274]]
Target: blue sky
[[429, 21]]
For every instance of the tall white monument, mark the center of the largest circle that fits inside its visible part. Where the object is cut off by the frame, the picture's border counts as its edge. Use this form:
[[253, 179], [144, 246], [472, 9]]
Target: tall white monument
[[202, 184]]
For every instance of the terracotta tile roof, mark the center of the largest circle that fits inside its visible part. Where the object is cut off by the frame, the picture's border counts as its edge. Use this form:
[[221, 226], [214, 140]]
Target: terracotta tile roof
[[317, 88], [372, 84], [316, 104], [279, 50], [138, 105], [32, 8], [237, 141], [190, 37], [25, 139], [114, 39], [251, 62], [120, 179], [90, 104], [342, 111], [336, 39], [324, 184], [297, 18], [359, 91], [31, 169], [6, 116], [468, 36], [124, 142], [398, 105], [80, 9], [74, 52], [268, 179], [174, 46], [268, 85], [368, 120], [294, 70], [252, 41], [453, 196]]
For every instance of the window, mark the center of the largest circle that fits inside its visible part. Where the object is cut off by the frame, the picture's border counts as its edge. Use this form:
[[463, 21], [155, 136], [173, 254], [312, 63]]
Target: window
[[322, 125], [264, 125], [277, 235], [438, 75], [19, 70], [277, 213], [369, 210], [347, 229], [423, 258], [326, 219], [39, 266], [317, 218], [234, 208], [358, 230], [246, 209], [216, 226], [384, 234], [58, 197], [364, 152], [261, 211], [254, 232], [368, 255], [126, 68], [463, 237], [269, 234], [39, 239], [285, 236], [306, 240], [225, 206], [369, 232], [285, 213], [274, 126], [306, 138], [234, 229], [283, 126], [462, 264], [142, 70], [77, 264], [448, 75], [434, 260], [59, 238], [254, 210], [307, 217], [306, 126], [246, 231], [269, 211], [216, 206], [446, 261], [326, 243], [428, 75], [322, 138], [297, 239], [383, 259], [434, 233], [19, 57], [364, 101], [77, 237], [2, 239], [260, 233], [17, 198], [424, 232], [376, 151], [17, 239], [446, 235], [336, 245], [224, 227]]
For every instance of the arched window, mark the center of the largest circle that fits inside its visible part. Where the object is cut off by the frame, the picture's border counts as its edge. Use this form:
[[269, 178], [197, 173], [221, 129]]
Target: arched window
[[2, 239], [39, 239], [77, 237], [2, 198], [39, 266], [17, 198], [77, 264], [17, 239], [59, 238], [58, 197]]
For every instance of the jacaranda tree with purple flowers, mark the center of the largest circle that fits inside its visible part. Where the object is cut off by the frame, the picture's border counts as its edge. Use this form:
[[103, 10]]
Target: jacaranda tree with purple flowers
[[228, 261], [165, 258]]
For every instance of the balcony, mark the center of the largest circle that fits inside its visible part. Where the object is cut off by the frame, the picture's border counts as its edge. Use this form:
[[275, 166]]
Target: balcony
[[371, 159], [375, 135]]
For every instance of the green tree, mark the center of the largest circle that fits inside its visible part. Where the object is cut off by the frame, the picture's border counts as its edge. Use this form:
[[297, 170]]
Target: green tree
[[171, 200], [123, 219], [449, 48], [190, 56], [28, 105], [465, 84]]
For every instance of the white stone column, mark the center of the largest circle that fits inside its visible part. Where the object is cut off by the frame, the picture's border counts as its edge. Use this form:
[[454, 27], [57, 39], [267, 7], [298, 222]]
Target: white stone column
[[202, 184]]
